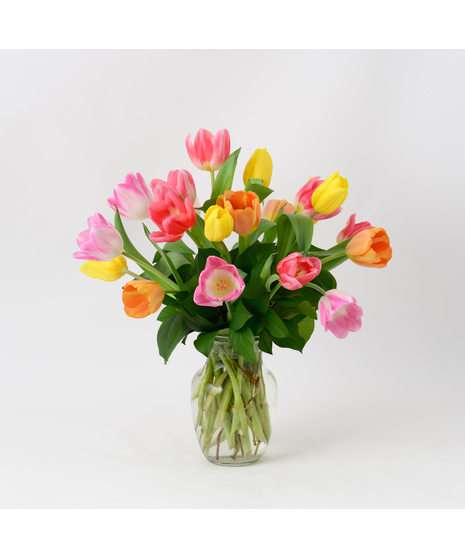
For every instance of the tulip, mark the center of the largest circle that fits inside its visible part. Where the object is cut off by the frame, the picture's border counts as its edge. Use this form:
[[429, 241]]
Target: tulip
[[259, 165], [218, 223], [106, 271], [339, 313], [273, 207], [303, 201], [244, 208], [173, 215], [209, 151], [331, 194], [132, 198], [218, 282], [141, 298], [370, 248], [101, 242], [351, 229], [182, 182], [295, 270]]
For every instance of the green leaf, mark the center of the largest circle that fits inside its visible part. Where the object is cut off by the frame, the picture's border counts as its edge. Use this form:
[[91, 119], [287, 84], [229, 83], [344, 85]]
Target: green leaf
[[167, 312], [255, 185], [334, 263], [255, 288], [250, 257], [225, 176], [307, 309], [242, 343], [204, 342], [178, 246], [178, 259], [241, 315], [275, 325], [264, 226], [286, 237], [306, 327], [265, 343], [170, 333], [303, 229], [201, 258], [295, 341], [325, 280]]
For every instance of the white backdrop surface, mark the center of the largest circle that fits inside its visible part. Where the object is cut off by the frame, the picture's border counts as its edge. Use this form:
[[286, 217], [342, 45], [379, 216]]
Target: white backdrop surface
[[89, 415]]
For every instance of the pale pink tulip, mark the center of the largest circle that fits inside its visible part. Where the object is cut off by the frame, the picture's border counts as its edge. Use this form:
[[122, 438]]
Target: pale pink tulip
[[173, 215], [303, 201], [295, 270], [339, 313], [209, 151], [219, 281], [100, 243], [182, 182], [351, 229], [272, 208], [132, 198]]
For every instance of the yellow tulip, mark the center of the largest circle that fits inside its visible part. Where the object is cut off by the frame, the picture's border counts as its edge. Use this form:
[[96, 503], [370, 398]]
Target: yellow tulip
[[218, 223], [260, 165], [330, 195], [106, 271]]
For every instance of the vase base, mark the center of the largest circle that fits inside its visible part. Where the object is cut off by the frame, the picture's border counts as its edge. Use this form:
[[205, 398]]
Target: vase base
[[230, 462]]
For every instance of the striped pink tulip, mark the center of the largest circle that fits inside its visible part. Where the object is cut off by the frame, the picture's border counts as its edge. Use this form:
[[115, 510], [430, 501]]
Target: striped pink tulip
[[132, 198], [182, 182], [101, 242], [209, 151], [339, 313]]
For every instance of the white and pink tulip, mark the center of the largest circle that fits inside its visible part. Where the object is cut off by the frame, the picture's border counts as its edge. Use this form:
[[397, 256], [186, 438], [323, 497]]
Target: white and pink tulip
[[101, 242], [339, 313], [132, 198], [209, 151], [218, 282]]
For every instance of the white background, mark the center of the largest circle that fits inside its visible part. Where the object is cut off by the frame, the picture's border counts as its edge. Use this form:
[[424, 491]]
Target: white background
[[89, 415]]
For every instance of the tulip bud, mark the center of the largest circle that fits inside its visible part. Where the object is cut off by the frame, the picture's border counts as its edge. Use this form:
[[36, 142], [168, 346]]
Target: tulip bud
[[106, 271], [370, 248], [259, 165], [331, 194], [273, 207], [141, 298], [218, 223]]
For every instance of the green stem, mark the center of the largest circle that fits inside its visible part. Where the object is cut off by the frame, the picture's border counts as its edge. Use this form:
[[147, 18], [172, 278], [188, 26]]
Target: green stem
[[134, 275], [164, 281], [212, 175], [230, 310], [221, 246], [168, 262], [244, 243], [270, 280], [275, 290], [316, 287], [333, 257], [313, 213]]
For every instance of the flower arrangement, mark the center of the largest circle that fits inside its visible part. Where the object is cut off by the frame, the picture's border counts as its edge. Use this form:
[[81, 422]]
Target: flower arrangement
[[267, 289]]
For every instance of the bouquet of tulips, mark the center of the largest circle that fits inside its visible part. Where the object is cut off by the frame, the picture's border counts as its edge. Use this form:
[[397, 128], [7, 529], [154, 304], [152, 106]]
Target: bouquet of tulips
[[264, 289]]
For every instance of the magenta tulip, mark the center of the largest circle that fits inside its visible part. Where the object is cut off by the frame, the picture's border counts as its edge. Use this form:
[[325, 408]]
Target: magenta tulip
[[295, 270], [209, 151], [173, 215], [303, 201], [218, 282], [132, 198], [100, 243], [351, 229], [339, 313]]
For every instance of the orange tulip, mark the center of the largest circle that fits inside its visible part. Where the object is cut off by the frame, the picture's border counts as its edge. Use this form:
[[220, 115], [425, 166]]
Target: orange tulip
[[141, 298], [370, 248], [244, 208]]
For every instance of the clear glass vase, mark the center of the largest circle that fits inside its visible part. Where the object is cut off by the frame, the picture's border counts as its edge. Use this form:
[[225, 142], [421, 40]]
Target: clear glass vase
[[233, 406]]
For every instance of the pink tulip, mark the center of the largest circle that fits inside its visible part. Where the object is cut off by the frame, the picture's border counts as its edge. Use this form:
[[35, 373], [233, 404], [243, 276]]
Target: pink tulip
[[100, 243], [209, 151], [182, 182], [132, 198], [173, 215], [219, 281], [295, 270], [339, 313], [303, 201], [351, 229]]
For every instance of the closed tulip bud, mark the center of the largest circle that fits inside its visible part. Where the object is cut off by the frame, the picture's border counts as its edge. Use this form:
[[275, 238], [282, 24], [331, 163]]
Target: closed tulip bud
[[331, 194], [273, 207], [218, 223], [101, 242], [105, 271], [259, 165], [370, 248], [244, 208], [141, 298]]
